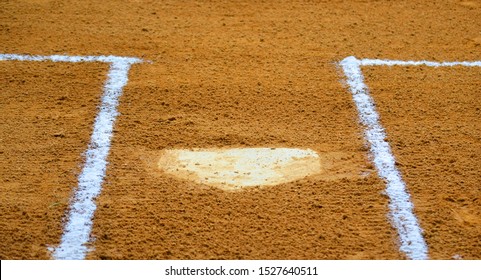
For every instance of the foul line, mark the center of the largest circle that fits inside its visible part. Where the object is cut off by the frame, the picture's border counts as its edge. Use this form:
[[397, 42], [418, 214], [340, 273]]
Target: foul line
[[400, 205], [79, 224]]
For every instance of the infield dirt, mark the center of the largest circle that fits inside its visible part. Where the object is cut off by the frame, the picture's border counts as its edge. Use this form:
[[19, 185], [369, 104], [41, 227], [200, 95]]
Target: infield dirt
[[236, 74]]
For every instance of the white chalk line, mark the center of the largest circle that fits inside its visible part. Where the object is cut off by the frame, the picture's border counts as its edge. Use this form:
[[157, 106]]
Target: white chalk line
[[400, 205], [78, 227], [387, 62]]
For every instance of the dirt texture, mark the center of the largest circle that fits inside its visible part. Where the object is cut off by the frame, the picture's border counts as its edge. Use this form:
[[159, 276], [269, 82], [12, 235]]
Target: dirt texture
[[45, 125], [234, 74], [437, 146]]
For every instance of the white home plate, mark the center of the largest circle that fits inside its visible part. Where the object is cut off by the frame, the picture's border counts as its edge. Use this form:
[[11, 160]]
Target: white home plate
[[240, 167]]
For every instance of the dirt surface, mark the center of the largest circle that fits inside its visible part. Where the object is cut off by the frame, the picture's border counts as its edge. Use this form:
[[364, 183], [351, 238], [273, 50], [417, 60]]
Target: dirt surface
[[437, 147], [45, 127], [232, 74]]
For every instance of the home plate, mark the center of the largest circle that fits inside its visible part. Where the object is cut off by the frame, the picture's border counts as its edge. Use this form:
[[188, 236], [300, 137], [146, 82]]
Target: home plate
[[240, 167]]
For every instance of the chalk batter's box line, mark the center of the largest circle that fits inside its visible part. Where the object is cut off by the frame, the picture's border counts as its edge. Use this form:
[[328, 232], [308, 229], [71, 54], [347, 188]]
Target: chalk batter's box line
[[77, 230], [400, 205]]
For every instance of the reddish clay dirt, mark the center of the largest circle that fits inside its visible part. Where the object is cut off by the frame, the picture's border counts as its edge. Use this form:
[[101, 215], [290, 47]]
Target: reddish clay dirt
[[240, 74], [45, 128], [437, 146]]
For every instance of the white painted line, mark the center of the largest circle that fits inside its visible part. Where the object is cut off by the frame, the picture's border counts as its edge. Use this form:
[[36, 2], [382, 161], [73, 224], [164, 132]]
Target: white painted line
[[400, 205], [380, 62], [79, 224], [68, 58]]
